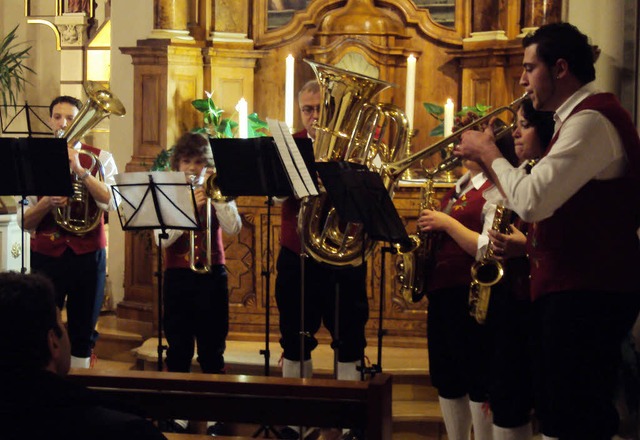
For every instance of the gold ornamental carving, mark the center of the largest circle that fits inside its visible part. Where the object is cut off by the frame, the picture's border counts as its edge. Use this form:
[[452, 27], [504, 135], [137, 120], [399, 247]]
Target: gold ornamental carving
[[16, 250]]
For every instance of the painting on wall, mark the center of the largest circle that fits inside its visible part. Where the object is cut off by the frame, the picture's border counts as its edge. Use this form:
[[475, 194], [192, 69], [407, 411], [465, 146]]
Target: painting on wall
[[280, 12]]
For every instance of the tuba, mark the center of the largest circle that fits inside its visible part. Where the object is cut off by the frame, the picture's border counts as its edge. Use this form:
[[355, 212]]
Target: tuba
[[82, 214], [488, 271], [350, 128]]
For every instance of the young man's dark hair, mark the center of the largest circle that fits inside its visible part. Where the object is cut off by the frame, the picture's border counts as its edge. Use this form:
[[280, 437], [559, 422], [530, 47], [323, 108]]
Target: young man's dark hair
[[27, 313], [564, 41], [64, 98]]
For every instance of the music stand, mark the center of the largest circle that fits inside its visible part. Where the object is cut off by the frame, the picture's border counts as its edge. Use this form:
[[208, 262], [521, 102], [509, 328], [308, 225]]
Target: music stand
[[156, 200], [359, 196], [40, 112], [254, 167], [34, 167]]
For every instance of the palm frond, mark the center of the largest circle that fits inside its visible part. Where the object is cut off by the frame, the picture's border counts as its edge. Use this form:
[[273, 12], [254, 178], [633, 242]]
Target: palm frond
[[12, 67]]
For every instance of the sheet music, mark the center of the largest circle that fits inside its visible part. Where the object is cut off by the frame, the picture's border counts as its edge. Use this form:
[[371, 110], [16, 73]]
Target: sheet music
[[292, 160], [137, 207]]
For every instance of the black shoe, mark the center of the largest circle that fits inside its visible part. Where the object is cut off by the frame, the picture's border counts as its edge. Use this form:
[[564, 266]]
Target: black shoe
[[171, 426], [217, 429], [288, 433]]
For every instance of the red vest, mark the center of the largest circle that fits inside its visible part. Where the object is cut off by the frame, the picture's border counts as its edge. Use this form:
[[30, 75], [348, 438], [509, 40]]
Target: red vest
[[289, 237], [178, 254], [50, 239], [590, 242], [453, 264]]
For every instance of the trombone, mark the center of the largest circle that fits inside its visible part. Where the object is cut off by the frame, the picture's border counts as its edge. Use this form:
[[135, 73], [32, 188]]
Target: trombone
[[214, 194]]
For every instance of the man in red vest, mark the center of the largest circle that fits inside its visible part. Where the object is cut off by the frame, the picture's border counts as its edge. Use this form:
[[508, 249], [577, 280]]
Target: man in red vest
[[319, 289], [76, 263], [582, 201]]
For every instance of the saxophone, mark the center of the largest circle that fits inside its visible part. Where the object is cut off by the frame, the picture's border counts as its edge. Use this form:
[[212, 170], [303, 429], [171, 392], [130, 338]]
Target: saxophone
[[488, 271], [414, 260], [411, 263]]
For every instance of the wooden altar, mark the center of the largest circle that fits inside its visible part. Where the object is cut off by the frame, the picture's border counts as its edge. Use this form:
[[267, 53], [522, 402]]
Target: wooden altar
[[469, 51]]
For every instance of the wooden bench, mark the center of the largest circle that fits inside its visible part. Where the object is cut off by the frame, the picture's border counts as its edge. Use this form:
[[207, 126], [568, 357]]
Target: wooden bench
[[251, 399]]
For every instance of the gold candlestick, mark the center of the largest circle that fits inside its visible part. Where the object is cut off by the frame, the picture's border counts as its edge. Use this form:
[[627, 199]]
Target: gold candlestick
[[408, 175]]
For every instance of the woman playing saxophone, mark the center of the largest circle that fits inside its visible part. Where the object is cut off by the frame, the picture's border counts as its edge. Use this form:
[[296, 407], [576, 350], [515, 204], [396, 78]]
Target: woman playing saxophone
[[508, 321]]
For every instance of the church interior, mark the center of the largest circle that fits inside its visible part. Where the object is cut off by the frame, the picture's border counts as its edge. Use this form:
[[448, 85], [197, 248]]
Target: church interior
[[158, 56]]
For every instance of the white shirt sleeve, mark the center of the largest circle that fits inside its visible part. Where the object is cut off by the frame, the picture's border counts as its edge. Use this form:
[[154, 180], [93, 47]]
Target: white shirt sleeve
[[488, 213], [31, 201], [228, 217], [174, 234], [589, 147], [110, 170]]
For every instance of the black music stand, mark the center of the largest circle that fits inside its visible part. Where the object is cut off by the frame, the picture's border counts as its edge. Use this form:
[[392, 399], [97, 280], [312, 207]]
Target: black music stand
[[8, 121], [156, 200], [359, 196], [34, 167], [253, 167]]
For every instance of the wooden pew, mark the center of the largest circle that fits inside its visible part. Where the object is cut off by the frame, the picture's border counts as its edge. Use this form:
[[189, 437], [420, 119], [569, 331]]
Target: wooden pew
[[251, 399]]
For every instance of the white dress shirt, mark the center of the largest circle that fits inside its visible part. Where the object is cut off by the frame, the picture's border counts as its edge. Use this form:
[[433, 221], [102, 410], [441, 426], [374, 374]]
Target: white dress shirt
[[488, 210], [589, 147]]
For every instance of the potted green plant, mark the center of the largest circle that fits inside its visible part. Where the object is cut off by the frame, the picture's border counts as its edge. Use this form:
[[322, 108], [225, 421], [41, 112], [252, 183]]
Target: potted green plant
[[214, 126], [12, 68], [462, 118]]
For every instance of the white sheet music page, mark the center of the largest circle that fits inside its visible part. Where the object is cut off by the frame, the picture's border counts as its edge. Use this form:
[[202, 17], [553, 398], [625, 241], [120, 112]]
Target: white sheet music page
[[294, 166], [298, 160]]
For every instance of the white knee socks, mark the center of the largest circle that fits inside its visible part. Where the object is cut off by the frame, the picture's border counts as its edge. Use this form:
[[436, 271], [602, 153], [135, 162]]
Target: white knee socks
[[457, 417], [482, 421], [348, 371], [292, 368], [77, 362]]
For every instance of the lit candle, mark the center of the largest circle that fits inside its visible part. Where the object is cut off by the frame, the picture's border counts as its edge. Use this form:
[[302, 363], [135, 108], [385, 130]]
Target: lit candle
[[243, 124], [448, 117], [288, 93], [411, 89]]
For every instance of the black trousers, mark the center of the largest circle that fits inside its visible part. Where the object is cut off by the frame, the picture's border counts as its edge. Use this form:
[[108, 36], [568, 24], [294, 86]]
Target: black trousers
[[196, 309], [320, 306], [577, 355], [510, 380], [458, 346], [79, 281]]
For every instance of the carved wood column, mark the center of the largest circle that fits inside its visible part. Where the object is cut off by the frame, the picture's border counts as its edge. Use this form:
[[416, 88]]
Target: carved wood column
[[167, 77]]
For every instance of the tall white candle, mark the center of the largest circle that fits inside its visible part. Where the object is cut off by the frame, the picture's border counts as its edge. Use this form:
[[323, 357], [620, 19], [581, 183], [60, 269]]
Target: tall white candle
[[448, 117], [411, 89], [288, 92], [243, 123]]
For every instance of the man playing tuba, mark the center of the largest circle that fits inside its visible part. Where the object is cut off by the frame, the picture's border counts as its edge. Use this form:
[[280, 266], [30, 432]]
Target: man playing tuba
[[74, 261]]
